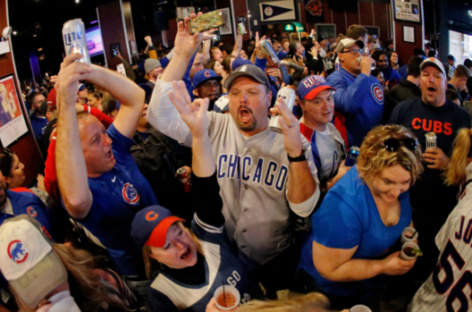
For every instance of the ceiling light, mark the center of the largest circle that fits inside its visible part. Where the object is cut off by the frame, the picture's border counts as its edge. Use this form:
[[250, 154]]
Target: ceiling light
[[34, 35], [40, 49], [14, 32]]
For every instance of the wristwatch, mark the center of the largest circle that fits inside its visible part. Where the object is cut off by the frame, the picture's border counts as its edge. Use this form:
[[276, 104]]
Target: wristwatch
[[300, 158]]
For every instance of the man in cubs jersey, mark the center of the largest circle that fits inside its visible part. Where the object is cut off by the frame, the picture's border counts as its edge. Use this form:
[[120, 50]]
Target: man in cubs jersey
[[264, 176], [99, 181], [449, 287]]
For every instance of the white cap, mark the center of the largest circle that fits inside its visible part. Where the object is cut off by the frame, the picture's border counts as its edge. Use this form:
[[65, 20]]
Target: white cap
[[347, 43], [28, 261], [432, 61]]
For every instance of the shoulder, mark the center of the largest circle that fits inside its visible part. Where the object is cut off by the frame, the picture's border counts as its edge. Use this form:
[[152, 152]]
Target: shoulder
[[409, 104]]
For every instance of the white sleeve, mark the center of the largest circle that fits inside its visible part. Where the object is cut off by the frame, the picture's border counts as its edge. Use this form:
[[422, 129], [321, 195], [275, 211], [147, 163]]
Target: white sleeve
[[305, 208], [163, 116]]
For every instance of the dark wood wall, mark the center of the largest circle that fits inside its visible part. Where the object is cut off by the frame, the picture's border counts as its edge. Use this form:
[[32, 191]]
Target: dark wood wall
[[26, 147]]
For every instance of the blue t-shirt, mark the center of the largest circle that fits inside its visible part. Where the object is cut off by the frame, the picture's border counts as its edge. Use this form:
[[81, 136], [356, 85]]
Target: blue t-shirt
[[361, 101], [38, 124], [117, 196], [348, 217], [221, 266]]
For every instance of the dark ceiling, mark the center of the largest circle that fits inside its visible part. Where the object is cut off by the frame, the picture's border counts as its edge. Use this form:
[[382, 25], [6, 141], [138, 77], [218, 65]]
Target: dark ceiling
[[38, 25]]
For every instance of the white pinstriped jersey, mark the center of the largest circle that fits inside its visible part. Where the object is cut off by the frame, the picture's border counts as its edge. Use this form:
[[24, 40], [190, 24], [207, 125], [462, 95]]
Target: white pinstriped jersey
[[449, 288]]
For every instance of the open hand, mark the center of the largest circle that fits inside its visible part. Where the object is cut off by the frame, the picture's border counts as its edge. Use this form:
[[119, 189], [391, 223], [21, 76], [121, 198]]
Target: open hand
[[186, 44], [290, 128], [148, 40], [193, 114], [209, 34]]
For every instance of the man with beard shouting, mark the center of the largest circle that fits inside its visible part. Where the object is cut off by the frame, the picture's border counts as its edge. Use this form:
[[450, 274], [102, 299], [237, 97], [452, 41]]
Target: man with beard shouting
[[264, 176]]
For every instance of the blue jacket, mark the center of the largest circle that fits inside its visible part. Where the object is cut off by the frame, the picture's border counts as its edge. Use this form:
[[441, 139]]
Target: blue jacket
[[403, 71], [392, 76], [360, 99]]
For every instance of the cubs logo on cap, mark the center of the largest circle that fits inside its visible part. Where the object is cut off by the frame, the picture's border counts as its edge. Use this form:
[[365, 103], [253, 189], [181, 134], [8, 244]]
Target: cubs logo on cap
[[205, 75], [432, 61], [151, 216], [310, 86], [17, 251], [378, 93], [130, 194], [30, 210], [150, 226]]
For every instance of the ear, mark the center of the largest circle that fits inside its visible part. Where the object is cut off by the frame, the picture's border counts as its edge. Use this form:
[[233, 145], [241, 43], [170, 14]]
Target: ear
[[195, 92], [8, 180], [269, 97]]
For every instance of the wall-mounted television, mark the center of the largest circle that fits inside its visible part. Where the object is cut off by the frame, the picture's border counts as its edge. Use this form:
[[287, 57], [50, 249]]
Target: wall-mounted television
[[94, 41]]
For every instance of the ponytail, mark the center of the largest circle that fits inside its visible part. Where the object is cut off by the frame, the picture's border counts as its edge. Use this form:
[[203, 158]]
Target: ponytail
[[455, 173]]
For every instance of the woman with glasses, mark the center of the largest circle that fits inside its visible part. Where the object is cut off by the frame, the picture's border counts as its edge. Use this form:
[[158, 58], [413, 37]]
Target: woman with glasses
[[349, 255]]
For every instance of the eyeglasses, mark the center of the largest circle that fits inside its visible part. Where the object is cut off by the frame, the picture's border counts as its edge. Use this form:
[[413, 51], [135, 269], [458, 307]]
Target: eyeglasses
[[354, 51], [393, 145]]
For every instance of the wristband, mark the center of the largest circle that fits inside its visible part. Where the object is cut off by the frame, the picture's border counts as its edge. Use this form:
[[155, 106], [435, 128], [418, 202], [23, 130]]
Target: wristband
[[300, 158]]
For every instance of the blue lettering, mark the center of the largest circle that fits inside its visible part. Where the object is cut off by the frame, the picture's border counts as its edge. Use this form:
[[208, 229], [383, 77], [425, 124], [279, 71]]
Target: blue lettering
[[281, 178], [233, 161], [248, 160], [468, 232], [269, 174], [258, 173], [79, 35], [221, 172]]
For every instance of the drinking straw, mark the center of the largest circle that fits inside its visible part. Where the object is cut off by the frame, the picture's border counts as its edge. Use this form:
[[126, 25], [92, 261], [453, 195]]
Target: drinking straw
[[224, 295], [413, 235]]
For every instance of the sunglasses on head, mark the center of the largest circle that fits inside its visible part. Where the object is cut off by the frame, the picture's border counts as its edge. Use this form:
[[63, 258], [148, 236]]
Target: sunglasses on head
[[393, 145]]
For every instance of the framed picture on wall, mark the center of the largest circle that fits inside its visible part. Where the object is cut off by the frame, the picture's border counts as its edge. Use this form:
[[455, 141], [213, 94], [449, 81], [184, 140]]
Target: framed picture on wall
[[407, 10], [12, 121], [325, 30], [227, 28], [372, 30], [409, 34]]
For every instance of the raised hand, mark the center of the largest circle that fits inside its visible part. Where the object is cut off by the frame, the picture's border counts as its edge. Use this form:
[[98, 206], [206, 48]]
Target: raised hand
[[193, 114], [68, 78], [186, 44], [290, 128], [148, 40], [209, 34]]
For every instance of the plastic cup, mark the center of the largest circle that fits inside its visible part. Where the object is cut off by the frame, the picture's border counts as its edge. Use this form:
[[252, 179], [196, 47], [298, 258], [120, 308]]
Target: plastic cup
[[406, 235], [360, 308], [231, 296], [405, 255]]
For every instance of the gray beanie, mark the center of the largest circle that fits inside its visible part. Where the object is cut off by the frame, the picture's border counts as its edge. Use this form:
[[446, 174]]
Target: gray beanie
[[150, 64]]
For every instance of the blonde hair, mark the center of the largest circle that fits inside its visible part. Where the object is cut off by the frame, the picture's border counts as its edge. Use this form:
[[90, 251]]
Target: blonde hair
[[455, 173], [313, 302], [374, 158], [88, 290], [151, 265]]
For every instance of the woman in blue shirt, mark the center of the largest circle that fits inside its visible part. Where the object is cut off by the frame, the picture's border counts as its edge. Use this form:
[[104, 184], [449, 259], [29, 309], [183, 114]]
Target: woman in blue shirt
[[361, 217]]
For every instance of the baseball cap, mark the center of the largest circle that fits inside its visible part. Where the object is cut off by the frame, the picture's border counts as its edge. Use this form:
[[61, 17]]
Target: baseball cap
[[432, 61], [310, 86], [466, 70], [147, 89], [52, 98], [248, 70], [204, 75], [238, 62], [150, 226], [81, 87], [347, 43], [150, 64], [28, 261], [451, 57]]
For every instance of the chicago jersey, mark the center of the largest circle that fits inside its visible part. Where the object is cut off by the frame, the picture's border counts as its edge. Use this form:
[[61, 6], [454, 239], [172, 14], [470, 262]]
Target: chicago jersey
[[449, 287]]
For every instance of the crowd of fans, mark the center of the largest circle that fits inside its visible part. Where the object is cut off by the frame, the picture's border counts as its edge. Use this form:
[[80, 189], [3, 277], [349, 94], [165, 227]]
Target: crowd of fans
[[162, 186]]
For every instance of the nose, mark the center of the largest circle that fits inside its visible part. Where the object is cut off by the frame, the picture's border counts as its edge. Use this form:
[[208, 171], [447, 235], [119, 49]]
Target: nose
[[396, 191], [243, 97], [108, 141], [178, 244]]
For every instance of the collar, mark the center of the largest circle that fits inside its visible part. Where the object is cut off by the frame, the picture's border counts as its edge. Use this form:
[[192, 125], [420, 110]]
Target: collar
[[468, 172]]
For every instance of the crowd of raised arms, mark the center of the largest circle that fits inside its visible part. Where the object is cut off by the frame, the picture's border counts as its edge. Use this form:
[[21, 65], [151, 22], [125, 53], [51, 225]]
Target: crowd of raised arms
[[210, 179]]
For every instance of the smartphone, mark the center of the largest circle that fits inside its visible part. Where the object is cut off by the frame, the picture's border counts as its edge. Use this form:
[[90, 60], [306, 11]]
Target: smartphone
[[114, 49], [206, 21]]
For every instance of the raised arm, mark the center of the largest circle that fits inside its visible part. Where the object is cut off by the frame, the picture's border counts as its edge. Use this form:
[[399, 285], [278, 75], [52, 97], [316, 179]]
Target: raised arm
[[70, 161], [162, 114], [348, 99], [207, 200], [238, 45], [303, 190]]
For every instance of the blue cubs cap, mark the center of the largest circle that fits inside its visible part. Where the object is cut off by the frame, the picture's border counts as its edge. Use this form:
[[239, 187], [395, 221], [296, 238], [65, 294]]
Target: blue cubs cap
[[81, 87], [204, 75], [310, 86], [238, 62], [150, 226]]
